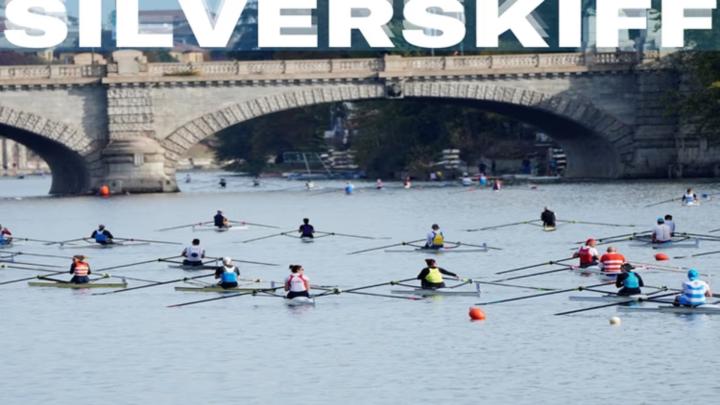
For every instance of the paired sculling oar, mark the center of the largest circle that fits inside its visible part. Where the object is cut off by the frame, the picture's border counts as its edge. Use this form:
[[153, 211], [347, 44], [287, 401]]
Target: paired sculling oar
[[580, 288], [715, 230], [64, 242], [345, 235], [524, 287], [489, 228], [542, 273], [663, 202], [180, 280], [38, 255], [698, 236], [161, 242], [336, 291], [269, 236], [386, 247], [12, 261], [46, 278], [21, 239], [254, 224], [458, 244], [532, 266], [567, 221], [615, 304], [245, 261], [714, 252], [173, 228], [227, 296], [20, 280], [138, 263]]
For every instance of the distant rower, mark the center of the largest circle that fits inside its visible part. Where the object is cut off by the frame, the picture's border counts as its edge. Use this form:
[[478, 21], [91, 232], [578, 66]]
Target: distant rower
[[466, 180], [309, 185], [379, 185], [220, 221], [306, 230], [407, 184], [102, 236], [223, 183], [694, 291], [689, 197], [5, 236], [349, 188], [629, 282], [670, 223], [497, 185], [297, 284], [548, 218], [612, 261], [193, 254], [256, 182], [228, 274], [80, 270], [435, 238], [431, 277], [662, 232], [588, 254]]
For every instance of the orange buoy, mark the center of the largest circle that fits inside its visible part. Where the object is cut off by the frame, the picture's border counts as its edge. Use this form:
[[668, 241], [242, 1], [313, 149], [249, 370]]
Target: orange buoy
[[661, 257], [477, 314], [105, 191]]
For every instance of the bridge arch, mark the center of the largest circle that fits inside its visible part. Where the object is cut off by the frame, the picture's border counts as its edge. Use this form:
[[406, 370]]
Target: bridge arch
[[597, 143], [65, 149]]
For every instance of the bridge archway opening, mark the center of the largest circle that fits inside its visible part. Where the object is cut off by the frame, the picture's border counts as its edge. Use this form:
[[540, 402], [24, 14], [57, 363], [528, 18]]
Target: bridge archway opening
[[69, 172]]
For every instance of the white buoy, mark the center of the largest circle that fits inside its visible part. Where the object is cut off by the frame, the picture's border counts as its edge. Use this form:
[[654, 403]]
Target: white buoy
[[615, 321]]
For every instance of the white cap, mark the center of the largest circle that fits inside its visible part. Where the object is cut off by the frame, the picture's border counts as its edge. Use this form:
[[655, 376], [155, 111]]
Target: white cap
[[227, 261]]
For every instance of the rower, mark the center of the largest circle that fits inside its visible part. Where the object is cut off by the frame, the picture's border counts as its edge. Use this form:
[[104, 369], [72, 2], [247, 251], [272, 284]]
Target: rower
[[349, 188], [612, 261], [497, 185], [466, 180], [193, 254], [306, 230], [297, 284], [670, 224], [435, 238], [102, 236], [629, 282], [588, 254], [228, 274], [188, 179], [661, 233], [548, 218], [5, 236], [689, 197], [80, 270], [407, 183], [483, 179], [694, 291], [309, 185], [220, 221], [431, 277], [223, 183], [379, 185]]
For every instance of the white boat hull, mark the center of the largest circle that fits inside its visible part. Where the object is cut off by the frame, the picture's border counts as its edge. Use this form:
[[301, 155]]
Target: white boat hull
[[299, 301], [709, 309]]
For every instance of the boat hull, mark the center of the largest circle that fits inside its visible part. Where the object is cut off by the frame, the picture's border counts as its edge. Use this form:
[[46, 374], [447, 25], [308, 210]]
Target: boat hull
[[51, 284], [435, 293], [703, 309]]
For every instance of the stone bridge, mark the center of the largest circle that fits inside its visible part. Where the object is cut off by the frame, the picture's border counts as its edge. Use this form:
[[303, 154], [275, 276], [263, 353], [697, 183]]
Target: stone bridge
[[128, 123]]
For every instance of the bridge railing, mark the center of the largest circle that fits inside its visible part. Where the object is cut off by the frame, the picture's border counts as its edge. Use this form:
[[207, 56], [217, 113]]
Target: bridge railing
[[39, 72]]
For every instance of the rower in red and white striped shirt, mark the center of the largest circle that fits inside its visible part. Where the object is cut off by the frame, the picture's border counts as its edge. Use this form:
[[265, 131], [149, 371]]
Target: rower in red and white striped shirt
[[612, 261]]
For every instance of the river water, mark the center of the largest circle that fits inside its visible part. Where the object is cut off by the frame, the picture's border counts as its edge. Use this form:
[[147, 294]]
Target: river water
[[70, 347]]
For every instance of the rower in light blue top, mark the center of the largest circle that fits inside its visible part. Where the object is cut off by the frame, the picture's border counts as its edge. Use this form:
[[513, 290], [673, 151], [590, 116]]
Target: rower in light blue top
[[349, 188], [694, 291]]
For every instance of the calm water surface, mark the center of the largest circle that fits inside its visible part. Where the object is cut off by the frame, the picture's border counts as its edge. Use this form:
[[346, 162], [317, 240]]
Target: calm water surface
[[70, 347]]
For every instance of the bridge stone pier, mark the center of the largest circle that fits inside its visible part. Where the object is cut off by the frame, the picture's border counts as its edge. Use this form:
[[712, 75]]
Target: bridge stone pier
[[128, 124]]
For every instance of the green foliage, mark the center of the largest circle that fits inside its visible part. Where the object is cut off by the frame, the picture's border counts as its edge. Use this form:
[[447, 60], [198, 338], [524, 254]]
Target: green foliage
[[253, 142], [701, 106]]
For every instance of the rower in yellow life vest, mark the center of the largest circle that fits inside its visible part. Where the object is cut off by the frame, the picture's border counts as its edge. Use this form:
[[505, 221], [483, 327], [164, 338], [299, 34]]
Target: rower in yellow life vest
[[435, 238], [80, 270], [431, 277]]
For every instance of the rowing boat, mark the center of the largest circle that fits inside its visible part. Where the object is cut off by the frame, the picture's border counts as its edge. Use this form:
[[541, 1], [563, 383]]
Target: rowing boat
[[709, 309], [219, 230], [675, 242], [191, 268], [608, 298], [595, 271], [439, 292], [549, 228], [299, 301], [307, 240], [93, 245], [438, 251], [76, 286]]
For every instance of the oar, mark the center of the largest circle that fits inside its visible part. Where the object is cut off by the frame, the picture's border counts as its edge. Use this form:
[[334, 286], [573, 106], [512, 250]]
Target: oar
[[184, 226], [17, 238], [663, 202], [615, 304], [147, 241], [386, 247], [488, 228], [484, 246], [565, 221], [246, 261], [533, 274], [607, 238], [339, 291], [524, 287], [31, 264], [532, 266], [39, 255], [714, 252], [349, 236], [254, 224], [138, 263], [275, 235], [180, 280], [334, 290], [226, 296], [715, 230], [65, 241], [20, 280], [102, 277], [699, 235], [545, 294]]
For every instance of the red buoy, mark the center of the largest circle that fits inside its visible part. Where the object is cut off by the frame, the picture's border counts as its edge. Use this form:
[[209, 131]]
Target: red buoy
[[477, 314], [661, 257], [105, 191]]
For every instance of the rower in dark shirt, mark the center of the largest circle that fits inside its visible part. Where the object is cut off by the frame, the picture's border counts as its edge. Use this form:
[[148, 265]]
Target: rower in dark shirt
[[306, 230], [431, 277], [220, 220], [628, 281], [548, 218]]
